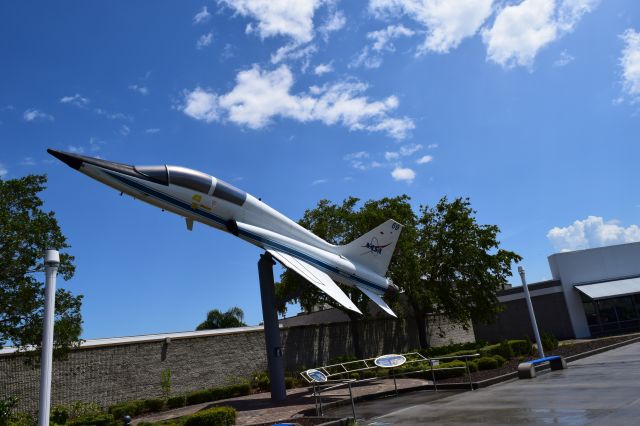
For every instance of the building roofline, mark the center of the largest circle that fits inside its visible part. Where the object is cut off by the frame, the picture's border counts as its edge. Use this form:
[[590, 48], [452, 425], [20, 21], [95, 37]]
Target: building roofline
[[591, 248]]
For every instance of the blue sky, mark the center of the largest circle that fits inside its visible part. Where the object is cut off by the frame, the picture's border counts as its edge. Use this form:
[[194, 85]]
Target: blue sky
[[530, 108]]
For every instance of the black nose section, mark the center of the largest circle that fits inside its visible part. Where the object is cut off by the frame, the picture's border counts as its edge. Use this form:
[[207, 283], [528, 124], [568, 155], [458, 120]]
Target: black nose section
[[72, 160]]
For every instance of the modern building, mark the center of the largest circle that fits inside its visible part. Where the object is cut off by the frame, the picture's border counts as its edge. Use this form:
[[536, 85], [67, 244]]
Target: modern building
[[593, 292]]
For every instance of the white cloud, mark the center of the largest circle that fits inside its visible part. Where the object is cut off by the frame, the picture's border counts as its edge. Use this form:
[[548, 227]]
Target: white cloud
[[319, 181], [77, 100], [95, 144], [204, 40], [425, 159], [75, 149], [143, 90], [124, 130], [113, 115], [447, 22], [152, 130], [27, 161], [202, 16], [323, 69], [391, 156], [335, 22], [630, 63], [356, 155], [564, 59], [260, 96], [592, 232], [294, 51], [382, 40], [201, 105], [3, 170], [521, 30], [35, 115], [291, 18], [403, 174], [432, 146]]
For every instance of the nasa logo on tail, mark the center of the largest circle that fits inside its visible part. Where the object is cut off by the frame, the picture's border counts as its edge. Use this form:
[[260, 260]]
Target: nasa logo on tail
[[374, 246]]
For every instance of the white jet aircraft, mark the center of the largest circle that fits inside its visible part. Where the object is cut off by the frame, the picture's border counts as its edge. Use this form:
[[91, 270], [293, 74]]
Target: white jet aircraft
[[203, 198]]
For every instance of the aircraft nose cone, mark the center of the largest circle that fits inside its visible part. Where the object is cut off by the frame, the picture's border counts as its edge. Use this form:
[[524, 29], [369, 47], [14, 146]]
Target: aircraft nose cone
[[72, 160]]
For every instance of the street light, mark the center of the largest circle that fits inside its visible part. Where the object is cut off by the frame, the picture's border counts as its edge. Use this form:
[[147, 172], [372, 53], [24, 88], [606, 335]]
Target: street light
[[51, 263], [532, 315]]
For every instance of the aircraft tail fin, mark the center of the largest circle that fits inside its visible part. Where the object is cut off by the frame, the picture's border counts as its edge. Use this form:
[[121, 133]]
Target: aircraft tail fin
[[375, 248]]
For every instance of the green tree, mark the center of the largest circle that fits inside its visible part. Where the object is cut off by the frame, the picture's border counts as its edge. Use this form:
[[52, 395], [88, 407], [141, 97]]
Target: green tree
[[340, 224], [444, 261], [26, 231], [216, 319], [461, 266]]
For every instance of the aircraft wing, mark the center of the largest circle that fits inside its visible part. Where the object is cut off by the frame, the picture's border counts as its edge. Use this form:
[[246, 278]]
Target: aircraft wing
[[378, 301], [315, 277]]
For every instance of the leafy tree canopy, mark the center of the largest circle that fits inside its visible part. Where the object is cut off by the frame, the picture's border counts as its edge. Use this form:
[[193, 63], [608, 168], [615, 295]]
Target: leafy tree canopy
[[215, 319], [445, 262], [26, 231]]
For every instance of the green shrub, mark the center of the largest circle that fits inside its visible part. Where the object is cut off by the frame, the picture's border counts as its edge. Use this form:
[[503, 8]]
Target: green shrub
[[500, 360], [59, 414], [261, 381], [549, 341], [176, 401], [487, 363], [520, 347], [102, 419], [238, 389], [504, 350], [452, 348], [131, 408], [290, 382], [217, 416], [197, 397], [153, 405], [81, 408], [442, 371], [473, 366], [489, 350]]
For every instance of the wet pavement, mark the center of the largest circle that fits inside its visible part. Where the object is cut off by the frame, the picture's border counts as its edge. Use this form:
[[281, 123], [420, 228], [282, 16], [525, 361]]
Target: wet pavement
[[603, 389]]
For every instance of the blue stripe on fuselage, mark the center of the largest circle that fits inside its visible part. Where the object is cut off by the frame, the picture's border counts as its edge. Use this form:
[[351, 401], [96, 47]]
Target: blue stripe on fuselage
[[267, 242]]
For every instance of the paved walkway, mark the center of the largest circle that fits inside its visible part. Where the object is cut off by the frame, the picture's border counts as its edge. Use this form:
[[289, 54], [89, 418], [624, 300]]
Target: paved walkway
[[600, 390], [258, 408]]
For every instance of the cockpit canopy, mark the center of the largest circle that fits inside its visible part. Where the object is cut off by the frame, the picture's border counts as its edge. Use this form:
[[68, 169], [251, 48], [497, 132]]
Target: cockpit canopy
[[193, 179]]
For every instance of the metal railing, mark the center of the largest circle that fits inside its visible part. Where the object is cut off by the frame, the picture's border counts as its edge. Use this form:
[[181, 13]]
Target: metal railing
[[340, 374]]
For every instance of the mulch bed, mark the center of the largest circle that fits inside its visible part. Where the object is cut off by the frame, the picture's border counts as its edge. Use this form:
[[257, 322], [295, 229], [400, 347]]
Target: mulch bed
[[565, 351]]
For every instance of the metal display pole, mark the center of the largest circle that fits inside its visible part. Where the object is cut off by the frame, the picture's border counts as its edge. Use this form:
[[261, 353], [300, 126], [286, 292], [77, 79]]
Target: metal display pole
[[273, 343], [532, 314], [51, 263]]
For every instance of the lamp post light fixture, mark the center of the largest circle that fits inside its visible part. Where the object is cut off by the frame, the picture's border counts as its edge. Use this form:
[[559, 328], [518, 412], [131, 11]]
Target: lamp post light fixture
[[51, 263], [532, 314]]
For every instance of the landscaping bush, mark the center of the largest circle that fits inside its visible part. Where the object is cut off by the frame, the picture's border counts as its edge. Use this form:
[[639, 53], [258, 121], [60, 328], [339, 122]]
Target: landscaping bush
[[473, 366], [102, 419], [59, 414], [452, 348], [200, 396], [487, 363], [500, 360], [217, 416], [176, 401], [131, 408], [549, 341], [261, 381], [521, 347], [504, 350], [238, 389], [153, 405], [442, 371]]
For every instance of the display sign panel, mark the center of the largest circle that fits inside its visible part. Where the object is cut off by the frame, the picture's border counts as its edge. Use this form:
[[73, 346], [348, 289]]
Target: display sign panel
[[316, 376], [390, 361]]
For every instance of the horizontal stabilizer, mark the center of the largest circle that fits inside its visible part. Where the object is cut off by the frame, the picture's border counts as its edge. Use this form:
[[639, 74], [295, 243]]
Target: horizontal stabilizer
[[315, 277], [378, 301]]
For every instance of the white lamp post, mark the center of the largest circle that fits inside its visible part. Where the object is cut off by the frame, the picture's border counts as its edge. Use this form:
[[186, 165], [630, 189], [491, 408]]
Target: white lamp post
[[51, 263], [532, 315]]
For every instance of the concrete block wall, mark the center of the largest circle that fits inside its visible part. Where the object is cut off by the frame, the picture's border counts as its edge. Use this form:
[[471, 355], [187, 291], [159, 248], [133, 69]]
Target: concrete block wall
[[115, 372]]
